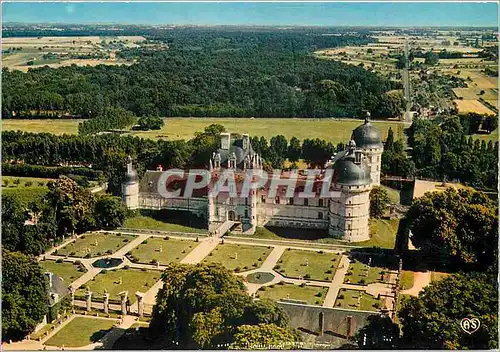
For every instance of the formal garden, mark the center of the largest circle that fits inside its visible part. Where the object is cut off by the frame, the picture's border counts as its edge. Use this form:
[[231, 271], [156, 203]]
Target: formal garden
[[357, 299], [310, 294], [68, 271], [81, 331], [365, 270], [238, 257], [161, 250], [303, 264], [117, 280], [95, 244]]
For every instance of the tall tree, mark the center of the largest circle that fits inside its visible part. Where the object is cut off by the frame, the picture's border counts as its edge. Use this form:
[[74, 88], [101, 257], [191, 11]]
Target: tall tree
[[24, 295], [294, 150], [109, 212], [379, 201]]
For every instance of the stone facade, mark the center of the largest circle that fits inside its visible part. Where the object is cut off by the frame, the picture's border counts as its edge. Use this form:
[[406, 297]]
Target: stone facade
[[346, 216]]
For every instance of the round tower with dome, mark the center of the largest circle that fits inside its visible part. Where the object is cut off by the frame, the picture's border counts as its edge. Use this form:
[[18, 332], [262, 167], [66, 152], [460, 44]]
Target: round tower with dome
[[130, 186], [369, 140], [349, 213]]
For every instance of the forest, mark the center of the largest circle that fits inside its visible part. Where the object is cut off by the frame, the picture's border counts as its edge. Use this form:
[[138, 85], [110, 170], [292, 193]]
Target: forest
[[208, 72]]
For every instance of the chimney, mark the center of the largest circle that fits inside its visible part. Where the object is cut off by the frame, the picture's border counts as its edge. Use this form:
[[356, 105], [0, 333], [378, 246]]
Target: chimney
[[48, 274], [224, 140]]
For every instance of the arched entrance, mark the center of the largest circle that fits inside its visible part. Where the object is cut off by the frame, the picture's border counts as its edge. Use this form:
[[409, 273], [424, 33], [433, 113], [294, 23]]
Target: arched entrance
[[230, 215]]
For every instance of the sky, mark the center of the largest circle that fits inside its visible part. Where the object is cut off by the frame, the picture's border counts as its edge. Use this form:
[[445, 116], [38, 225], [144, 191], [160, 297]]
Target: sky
[[253, 13]]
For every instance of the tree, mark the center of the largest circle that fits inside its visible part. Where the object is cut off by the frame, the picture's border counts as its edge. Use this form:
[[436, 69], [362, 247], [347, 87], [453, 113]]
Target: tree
[[278, 151], [202, 305], [109, 212], [264, 337], [389, 143], [380, 332], [294, 150], [462, 224], [150, 123], [432, 321], [431, 58], [13, 217], [73, 205], [24, 295], [379, 200], [389, 105]]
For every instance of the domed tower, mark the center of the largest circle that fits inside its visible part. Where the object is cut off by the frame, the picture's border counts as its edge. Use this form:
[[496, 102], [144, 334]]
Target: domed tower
[[369, 140], [350, 212], [130, 186]]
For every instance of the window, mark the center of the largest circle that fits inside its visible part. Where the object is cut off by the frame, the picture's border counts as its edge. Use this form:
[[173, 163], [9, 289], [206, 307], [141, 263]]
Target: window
[[320, 215], [246, 213], [277, 200], [263, 199], [306, 202], [349, 226], [320, 203], [290, 201], [246, 201], [231, 201]]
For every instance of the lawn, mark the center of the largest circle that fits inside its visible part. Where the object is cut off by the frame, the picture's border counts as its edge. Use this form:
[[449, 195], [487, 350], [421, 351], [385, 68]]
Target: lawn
[[406, 279], [81, 331], [132, 280], [69, 272], [35, 182], [146, 222], [394, 194], [55, 126], [159, 249], [437, 276], [99, 243], [311, 294], [238, 257], [383, 233], [356, 299], [25, 195], [362, 274], [311, 265]]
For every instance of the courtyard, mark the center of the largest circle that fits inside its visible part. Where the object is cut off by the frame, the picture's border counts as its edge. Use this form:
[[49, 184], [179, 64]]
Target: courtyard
[[238, 257], [81, 331], [310, 294], [303, 264], [118, 280], [68, 271], [161, 250], [357, 299], [95, 244]]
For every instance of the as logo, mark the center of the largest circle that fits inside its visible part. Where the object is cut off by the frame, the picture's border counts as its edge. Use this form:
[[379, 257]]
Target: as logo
[[470, 325]]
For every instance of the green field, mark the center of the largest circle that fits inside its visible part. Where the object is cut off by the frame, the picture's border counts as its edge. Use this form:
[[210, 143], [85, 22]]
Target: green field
[[172, 250], [99, 244], [348, 299], [69, 272], [35, 182], [383, 233], [238, 257], [146, 222], [332, 130], [81, 331], [56, 126], [311, 265], [407, 278], [25, 195], [311, 294], [132, 280], [361, 274]]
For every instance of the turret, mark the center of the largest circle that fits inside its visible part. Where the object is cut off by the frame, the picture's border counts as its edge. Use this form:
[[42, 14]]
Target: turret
[[130, 186]]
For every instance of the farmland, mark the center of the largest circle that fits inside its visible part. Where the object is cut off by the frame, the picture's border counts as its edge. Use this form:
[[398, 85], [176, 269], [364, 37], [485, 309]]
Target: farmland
[[24, 53], [332, 130]]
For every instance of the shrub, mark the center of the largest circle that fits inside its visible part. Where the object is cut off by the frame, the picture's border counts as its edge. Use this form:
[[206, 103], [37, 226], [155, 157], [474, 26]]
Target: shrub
[[321, 252], [109, 251], [280, 261], [328, 271], [268, 247], [166, 238], [263, 288], [77, 262], [144, 269], [72, 253], [288, 249], [145, 242], [376, 305], [362, 281], [307, 276], [60, 260], [317, 302], [303, 285], [277, 267], [125, 240], [126, 267], [245, 267], [255, 265], [260, 259], [237, 269], [98, 254], [118, 234], [271, 286], [87, 256], [210, 254], [341, 296], [349, 273], [28, 184], [154, 261]]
